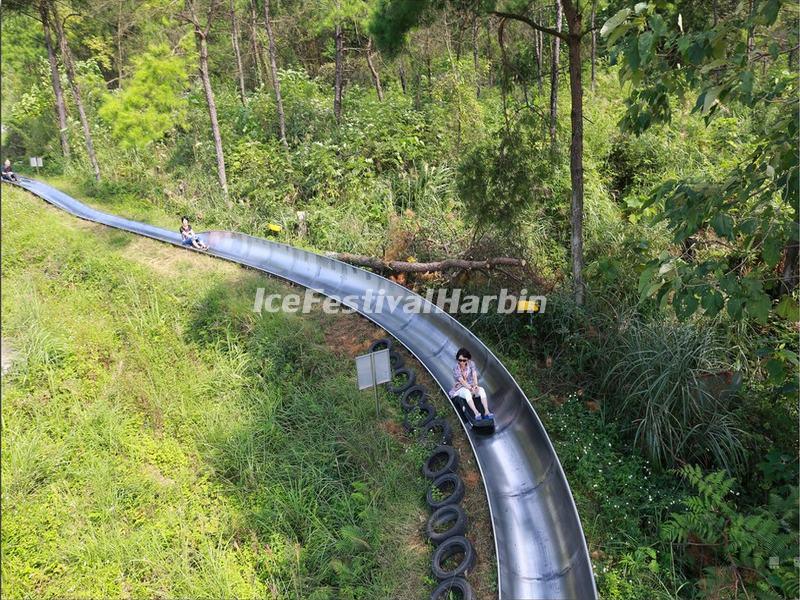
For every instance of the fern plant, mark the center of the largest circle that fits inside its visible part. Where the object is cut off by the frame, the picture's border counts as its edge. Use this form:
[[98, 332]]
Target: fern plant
[[750, 552]]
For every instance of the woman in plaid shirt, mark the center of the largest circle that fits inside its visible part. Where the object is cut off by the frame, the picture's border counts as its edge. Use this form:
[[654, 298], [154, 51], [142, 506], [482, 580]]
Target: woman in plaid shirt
[[466, 383]]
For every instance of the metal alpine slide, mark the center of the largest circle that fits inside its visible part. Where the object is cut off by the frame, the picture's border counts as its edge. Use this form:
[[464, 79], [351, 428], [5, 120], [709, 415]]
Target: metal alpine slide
[[541, 550]]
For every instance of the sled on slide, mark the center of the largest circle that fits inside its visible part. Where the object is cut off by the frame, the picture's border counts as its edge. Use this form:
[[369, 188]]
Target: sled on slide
[[484, 425]]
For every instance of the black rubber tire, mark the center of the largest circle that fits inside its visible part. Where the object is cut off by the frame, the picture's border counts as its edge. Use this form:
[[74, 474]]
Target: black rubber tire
[[455, 496], [414, 395], [381, 344], [437, 431], [395, 360], [448, 548], [402, 387], [450, 465], [458, 585], [430, 415], [452, 513]]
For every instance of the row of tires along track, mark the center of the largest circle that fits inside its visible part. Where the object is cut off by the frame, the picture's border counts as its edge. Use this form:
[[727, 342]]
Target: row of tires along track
[[454, 555]]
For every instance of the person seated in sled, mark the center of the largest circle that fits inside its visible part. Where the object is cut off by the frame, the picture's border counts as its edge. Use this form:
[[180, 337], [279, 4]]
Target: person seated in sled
[[188, 236], [466, 384], [8, 173]]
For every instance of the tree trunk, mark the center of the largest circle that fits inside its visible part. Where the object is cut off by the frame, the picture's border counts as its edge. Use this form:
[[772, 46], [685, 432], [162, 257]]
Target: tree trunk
[[55, 79], [475, 26], [554, 75], [576, 150], [573, 39], [338, 37], [539, 41], [237, 52], [449, 264], [376, 78], [402, 74], [258, 55], [751, 40], [119, 48], [789, 274], [202, 49], [594, 43], [66, 56], [489, 55], [276, 81]]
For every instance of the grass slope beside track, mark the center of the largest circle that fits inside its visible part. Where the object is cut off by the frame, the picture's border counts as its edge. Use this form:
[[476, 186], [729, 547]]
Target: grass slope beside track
[[160, 439]]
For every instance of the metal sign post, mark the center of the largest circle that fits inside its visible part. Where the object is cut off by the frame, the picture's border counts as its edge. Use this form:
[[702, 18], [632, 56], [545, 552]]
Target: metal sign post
[[373, 369], [36, 161]]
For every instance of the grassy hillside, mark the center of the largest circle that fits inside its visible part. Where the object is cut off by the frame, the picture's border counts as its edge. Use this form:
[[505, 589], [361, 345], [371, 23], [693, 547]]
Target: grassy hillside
[[162, 440]]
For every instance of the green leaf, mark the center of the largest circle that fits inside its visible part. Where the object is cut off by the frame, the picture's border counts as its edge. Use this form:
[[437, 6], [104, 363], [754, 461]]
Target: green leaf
[[735, 308], [758, 307], [712, 302], [685, 304], [617, 34], [646, 275], [770, 11], [614, 22], [775, 370], [696, 53], [646, 46], [723, 225], [788, 308], [658, 25], [710, 98], [771, 251], [774, 50], [651, 289], [746, 79], [632, 54]]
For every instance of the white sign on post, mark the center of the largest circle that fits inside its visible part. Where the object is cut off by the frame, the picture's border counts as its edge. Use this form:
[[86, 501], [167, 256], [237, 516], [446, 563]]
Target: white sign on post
[[373, 369], [36, 161]]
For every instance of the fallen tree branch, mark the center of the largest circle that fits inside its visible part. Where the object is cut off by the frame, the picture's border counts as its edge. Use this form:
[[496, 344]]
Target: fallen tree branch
[[399, 266]]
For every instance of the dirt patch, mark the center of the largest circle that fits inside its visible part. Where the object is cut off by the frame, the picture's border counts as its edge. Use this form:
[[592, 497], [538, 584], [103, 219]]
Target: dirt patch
[[166, 259], [349, 334], [471, 479], [394, 429]]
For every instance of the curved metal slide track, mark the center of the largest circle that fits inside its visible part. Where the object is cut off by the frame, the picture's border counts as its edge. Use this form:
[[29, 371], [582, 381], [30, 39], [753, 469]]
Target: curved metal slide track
[[541, 550]]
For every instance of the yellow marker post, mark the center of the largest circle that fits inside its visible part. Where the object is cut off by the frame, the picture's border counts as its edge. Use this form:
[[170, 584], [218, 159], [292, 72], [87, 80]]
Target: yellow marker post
[[275, 228], [529, 306]]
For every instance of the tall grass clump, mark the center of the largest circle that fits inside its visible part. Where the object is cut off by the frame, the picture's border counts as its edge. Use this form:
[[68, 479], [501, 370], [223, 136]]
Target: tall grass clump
[[667, 383]]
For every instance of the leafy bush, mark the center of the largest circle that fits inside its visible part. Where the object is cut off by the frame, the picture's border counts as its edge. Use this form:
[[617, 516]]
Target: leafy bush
[[150, 105], [664, 385], [754, 551], [501, 178]]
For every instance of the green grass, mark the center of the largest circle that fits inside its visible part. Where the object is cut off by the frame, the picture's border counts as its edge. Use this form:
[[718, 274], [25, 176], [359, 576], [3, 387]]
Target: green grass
[[162, 440]]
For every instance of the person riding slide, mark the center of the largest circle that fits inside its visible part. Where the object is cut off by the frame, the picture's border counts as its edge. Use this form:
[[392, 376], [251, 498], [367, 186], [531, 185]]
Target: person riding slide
[[188, 236], [466, 384], [8, 173]]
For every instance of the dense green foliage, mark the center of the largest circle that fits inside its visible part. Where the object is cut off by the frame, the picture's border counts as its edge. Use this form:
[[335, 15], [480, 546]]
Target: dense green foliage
[[685, 350], [151, 104]]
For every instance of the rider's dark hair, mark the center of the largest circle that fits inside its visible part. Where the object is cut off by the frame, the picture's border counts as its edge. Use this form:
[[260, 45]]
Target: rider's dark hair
[[463, 352], [184, 217]]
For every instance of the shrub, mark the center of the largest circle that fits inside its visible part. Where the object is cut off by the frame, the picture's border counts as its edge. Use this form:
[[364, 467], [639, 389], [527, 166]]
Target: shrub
[[753, 551], [663, 385]]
